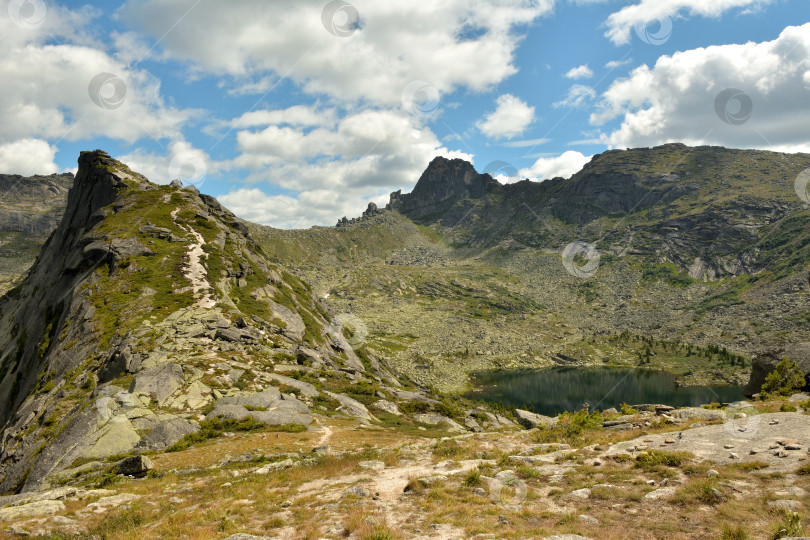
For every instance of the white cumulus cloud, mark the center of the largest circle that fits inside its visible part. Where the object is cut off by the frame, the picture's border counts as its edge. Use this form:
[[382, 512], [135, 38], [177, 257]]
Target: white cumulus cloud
[[327, 171], [752, 95], [27, 157], [580, 72], [564, 165], [644, 12], [448, 44], [510, 118]]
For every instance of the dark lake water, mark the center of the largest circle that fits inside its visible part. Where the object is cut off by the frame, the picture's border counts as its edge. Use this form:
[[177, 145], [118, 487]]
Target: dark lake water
[[554, 390]]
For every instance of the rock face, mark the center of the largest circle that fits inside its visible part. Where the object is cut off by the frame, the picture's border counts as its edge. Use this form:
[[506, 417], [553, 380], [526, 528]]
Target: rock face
[[134, 317], [443, 183], [30, 210], [764, 363], [710, 240]]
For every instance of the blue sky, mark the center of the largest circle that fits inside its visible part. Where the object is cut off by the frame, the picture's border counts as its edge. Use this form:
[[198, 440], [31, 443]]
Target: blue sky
[[297, 112]]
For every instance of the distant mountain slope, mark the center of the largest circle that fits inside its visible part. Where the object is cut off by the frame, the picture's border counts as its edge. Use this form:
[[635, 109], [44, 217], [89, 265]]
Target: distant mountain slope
[[705, 246], [30, 209], [711, 211]]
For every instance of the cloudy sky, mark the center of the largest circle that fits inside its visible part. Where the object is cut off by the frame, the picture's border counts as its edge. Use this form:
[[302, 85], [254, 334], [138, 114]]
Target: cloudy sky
[[297, 112]]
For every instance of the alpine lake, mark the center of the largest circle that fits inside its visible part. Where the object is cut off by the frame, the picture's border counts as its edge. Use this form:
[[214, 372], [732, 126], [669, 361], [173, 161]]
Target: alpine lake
[[554, 390]]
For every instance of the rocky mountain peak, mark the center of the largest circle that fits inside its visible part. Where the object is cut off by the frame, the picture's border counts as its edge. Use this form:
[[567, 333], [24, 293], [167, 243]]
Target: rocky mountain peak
[[444, 182], [148, 298]]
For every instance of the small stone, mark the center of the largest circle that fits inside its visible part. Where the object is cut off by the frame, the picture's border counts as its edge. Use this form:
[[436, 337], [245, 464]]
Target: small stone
[[651, 482], [780, 454], [357, 491], [785, 504], [590, 520], [583, 493], [753, 451], [481, 492], [596, 463], [286, 504], [733, 455], [669, 441], [660, 493], [793, 447], [773, 422], [372, 465], [711, 473], [728, 446]]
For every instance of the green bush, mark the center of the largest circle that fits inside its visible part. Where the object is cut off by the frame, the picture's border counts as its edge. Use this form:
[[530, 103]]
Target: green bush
[[627, 409], [574, 423], [786, 379], [652, 459], [791, 525], [787, 407], [211, 428]]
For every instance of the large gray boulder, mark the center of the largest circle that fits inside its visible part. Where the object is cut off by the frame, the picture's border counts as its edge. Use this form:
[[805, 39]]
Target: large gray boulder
[[160, 382], [268, 406], [531, 420], [167, 433], [764, 363]]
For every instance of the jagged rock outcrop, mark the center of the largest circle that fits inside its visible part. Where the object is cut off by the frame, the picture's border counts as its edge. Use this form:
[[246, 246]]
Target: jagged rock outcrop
[[444, 182], [147, 304], [691, 207], [764, 363]]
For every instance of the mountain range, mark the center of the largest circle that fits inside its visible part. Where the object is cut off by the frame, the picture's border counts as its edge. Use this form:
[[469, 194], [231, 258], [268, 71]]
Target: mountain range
[[152, 309]]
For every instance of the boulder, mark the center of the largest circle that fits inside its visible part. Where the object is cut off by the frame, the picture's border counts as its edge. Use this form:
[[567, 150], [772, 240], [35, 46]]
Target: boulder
[[159, 382], [764, 363], [531, 420], [305, 388], [660, 493], [435, 419], [698, 413], [167, 433], [136, 466], [352, 407], [34, 509], [387, 406]]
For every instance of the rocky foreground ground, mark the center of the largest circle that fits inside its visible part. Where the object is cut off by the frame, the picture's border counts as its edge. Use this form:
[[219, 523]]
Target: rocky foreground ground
[[738, 472]]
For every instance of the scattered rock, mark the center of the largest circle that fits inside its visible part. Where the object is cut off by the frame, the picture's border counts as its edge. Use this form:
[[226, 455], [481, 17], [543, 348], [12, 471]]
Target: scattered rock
[[531, 420], [137, 466], [357, 491], [372, 465], [580, 494], [787, 505], [660, 493], [387, 406], [39, 508]]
